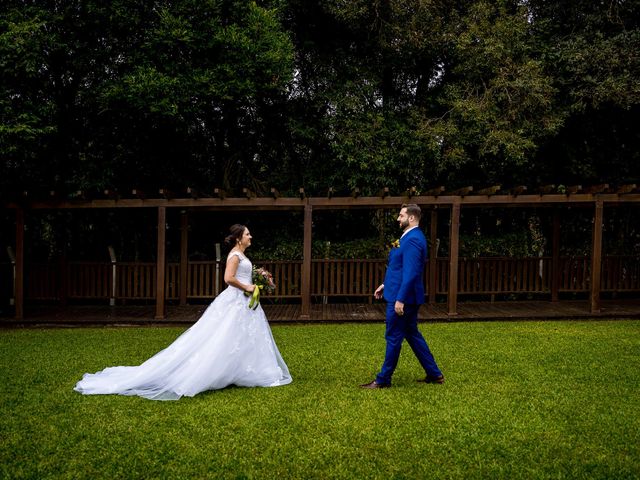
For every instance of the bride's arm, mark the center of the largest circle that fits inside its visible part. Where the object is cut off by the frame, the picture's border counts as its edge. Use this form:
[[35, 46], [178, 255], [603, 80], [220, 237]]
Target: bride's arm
[[230, 274]]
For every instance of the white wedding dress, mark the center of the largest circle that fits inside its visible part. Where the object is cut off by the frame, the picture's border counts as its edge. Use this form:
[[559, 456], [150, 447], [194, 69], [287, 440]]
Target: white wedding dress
[[230, 344]]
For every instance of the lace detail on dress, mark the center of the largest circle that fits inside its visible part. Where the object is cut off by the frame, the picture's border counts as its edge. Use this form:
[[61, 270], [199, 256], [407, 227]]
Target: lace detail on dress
[[245, 267]]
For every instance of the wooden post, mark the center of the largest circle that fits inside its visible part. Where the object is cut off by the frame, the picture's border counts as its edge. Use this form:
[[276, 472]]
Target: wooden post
[[555, 257], [433, 257], [19, 277], [63, 292], [184, 255], [114, 275], [306, 263], [161, 264], [454, 243], [64, 274], [596, 256]]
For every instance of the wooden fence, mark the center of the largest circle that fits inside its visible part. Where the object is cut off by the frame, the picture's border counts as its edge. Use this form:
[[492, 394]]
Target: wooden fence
[[329, 278]]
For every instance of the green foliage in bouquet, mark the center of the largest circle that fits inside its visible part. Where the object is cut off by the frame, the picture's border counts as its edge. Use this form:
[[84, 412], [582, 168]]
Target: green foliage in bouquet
[[263, 280]]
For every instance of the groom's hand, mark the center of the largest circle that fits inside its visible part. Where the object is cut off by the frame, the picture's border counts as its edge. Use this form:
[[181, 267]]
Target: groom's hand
[[378, 293], [399, 307]]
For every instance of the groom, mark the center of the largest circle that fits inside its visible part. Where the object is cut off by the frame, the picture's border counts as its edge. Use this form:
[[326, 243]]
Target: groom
[[404, 292]]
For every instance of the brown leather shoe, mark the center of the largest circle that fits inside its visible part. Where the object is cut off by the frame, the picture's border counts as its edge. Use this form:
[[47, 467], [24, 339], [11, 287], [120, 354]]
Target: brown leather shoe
[[374, 384], [429, 379]]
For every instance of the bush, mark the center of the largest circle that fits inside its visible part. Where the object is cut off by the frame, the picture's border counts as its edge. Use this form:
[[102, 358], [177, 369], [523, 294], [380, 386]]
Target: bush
[[293, 249]]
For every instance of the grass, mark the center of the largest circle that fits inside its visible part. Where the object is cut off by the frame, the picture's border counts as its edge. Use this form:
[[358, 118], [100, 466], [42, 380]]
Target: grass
[[522, 400]]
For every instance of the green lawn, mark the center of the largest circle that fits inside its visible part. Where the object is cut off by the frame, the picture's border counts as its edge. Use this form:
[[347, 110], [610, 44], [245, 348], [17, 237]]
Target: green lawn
[[522, 400]]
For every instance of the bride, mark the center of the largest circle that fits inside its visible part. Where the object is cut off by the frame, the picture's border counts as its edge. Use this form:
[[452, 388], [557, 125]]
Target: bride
[[230, 344]]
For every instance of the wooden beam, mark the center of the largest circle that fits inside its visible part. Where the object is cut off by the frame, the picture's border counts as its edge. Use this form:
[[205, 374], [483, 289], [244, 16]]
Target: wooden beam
[[434, 192], [623, 189], [454, 244], [593, 189], [596, 256], [519, 190], [184, 255], [489, 190], [390, 202], [433, 257], [411, 192], [161, 263], [136, 192], [461, 192], [555, 257], [19, 278], [305, 309], [166, 193], [546, 189], [111, 193]]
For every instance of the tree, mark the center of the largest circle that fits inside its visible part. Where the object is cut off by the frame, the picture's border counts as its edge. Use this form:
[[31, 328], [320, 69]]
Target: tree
[[290, 93], [591, 48], [136, 94]]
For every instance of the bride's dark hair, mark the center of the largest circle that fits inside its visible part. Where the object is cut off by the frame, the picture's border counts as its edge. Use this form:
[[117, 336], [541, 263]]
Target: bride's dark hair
[[235, 234]]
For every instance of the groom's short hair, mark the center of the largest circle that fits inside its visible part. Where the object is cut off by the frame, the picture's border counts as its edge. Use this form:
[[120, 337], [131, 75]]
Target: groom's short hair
[[413, 209]]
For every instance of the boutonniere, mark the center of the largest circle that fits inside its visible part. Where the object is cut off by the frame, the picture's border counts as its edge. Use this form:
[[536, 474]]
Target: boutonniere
[[395, 243]]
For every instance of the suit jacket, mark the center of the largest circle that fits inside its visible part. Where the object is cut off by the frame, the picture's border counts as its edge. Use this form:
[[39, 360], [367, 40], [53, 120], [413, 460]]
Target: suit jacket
[[403, 278]]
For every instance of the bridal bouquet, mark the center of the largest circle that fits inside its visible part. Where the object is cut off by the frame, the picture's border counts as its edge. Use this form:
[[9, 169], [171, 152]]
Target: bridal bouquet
[[264, 281]]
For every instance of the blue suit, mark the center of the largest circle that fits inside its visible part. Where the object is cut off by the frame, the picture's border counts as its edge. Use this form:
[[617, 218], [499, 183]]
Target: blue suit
[[403, 282]]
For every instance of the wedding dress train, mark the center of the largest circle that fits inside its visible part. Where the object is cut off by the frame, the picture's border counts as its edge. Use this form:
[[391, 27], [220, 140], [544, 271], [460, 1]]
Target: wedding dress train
[[229, 345]]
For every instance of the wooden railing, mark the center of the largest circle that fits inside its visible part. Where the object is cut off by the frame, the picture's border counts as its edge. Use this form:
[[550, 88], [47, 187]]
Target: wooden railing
[[87, 280], [42, 281], [498, 275], [329, 278], [204, 279], [336, 278]]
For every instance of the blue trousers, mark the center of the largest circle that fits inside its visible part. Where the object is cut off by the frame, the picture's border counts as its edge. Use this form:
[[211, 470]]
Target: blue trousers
[[399, 328]]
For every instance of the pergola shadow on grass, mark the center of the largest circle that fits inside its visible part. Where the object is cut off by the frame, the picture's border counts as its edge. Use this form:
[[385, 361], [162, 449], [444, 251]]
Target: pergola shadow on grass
[[435, 201]]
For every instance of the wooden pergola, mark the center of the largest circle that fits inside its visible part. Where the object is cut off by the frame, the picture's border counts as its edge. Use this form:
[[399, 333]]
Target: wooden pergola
[[435, 200]]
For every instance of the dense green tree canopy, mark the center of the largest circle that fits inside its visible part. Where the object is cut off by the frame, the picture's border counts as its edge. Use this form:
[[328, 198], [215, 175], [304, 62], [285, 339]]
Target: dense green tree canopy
[[290, 93]]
